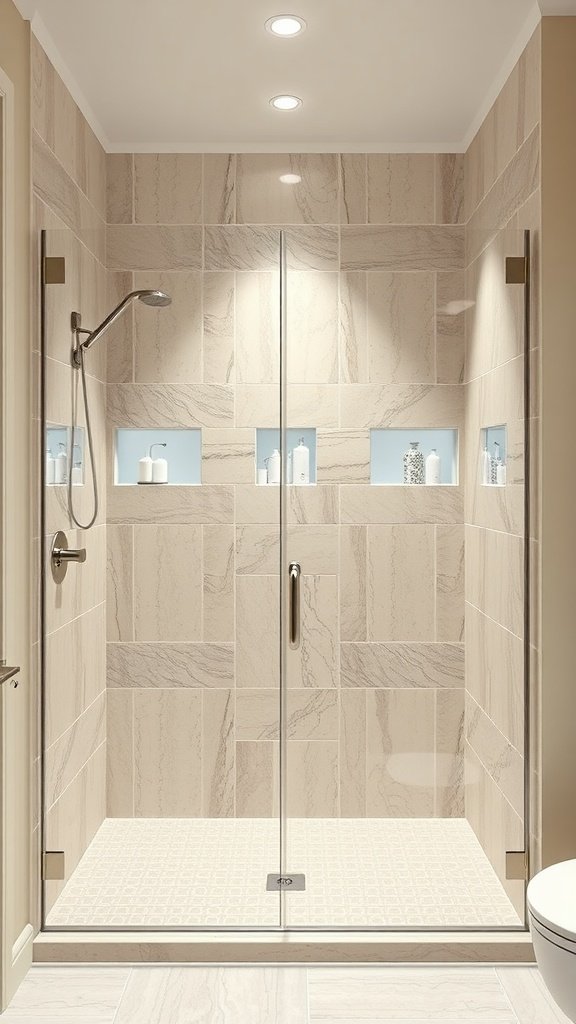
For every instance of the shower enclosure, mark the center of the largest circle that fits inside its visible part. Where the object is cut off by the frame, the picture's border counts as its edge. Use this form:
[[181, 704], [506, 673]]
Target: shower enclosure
[[296, 704]]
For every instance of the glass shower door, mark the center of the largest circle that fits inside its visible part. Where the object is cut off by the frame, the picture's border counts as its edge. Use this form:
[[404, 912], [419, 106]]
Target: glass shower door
[[404, 785], [161, 682]]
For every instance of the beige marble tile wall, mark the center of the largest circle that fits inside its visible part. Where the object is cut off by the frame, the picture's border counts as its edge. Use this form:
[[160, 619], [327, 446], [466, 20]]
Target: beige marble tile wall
[[375, 251], [69, 182], [502, 198]]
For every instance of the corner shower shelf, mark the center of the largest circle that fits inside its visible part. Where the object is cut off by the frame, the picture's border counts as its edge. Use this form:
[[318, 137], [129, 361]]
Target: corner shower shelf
[[183, 452], [268, 438], [387, 448], [495, 440]]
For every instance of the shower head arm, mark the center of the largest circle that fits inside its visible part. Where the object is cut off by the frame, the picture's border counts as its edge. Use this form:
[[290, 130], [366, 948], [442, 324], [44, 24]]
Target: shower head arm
[[94, 335]]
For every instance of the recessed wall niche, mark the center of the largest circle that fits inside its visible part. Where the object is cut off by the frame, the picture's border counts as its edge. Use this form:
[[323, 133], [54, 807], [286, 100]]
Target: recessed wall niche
[[493, 455], [182, 450], [268, 441], [389, 447], [57, 456]]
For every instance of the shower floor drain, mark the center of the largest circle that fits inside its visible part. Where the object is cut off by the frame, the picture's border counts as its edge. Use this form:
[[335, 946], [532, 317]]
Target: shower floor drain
[[286, 883]]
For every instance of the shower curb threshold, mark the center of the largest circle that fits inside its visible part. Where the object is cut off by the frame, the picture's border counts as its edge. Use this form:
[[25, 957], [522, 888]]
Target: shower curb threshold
[[288, 947]]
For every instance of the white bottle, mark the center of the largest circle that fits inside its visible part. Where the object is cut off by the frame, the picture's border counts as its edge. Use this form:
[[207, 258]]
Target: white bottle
[[274, 467], [159, 466], [50, 467], [263, 476], [61, 468], [145, 470], [301, 463], [500, 473], [486, 462], [289, 469], [494, 460], [433, 467]]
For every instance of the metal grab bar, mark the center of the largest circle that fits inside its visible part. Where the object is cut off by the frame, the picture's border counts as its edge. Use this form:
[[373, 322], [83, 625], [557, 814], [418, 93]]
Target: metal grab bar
[[294, 572]]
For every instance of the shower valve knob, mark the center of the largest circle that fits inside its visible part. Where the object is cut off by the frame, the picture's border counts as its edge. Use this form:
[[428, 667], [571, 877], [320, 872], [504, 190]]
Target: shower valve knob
[[61, 555]]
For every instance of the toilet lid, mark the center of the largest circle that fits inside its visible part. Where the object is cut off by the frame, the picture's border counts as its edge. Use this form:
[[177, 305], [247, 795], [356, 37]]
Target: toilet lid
[[552, 898]]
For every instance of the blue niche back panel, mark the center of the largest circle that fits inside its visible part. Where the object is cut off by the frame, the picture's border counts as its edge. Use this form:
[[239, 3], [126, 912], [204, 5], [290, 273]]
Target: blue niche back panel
[[387, 448], [183, 452]]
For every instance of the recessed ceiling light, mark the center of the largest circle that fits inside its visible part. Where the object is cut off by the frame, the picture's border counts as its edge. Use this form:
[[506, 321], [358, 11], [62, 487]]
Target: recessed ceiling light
[[290, 179], [285, 25], [286, 102]]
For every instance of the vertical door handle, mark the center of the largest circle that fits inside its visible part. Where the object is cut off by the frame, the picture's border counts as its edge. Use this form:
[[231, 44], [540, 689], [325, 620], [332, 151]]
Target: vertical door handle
[[294, 572]]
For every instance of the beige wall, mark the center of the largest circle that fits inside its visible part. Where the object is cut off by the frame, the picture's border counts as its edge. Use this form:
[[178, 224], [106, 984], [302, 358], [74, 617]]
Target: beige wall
[[502, 198], [16, 908], [558, 698], [375, 257], [69, 192]]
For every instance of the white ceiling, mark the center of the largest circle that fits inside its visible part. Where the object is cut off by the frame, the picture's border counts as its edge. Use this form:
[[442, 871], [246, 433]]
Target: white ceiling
[[198, 74]]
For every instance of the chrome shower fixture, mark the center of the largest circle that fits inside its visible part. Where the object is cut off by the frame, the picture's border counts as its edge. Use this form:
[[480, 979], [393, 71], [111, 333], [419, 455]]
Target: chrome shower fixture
[[149, 296]]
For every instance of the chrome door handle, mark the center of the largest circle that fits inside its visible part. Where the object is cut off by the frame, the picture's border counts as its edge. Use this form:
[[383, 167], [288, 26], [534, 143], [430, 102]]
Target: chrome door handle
[[61, 555], [294, 573]]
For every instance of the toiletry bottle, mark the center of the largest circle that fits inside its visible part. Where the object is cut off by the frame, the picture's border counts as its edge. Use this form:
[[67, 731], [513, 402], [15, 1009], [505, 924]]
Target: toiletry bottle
[[301, 463], [433, 467], [61, 469], [159, 466], [485, 466], [145, 470], [501, 473], [289, 469], [274, 467], [263, 476], [413, 464], [50, 467]]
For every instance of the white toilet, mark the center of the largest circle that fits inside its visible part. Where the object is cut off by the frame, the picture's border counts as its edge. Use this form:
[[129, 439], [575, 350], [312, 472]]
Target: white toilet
[[552, 909]]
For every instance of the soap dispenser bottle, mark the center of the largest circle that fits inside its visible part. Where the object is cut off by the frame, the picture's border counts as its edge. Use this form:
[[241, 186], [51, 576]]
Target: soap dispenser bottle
[[274, 463], [77, 465], [145, 470], [301, 463], [432, 471], [486, 466]]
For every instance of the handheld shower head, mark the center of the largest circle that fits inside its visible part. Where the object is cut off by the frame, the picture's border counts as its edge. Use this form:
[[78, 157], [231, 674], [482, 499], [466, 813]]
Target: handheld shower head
[[149, 296]]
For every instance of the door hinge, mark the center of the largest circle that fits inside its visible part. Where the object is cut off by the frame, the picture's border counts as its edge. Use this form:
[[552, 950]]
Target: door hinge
[[517, 865], [53, 866], [54, 270], [516, 270]]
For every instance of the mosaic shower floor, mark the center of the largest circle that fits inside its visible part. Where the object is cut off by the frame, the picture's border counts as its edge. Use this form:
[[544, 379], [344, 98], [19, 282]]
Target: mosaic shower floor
[[175, 872]]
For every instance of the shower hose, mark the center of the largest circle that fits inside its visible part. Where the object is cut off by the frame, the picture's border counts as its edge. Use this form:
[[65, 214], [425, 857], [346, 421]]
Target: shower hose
[[75, 520]]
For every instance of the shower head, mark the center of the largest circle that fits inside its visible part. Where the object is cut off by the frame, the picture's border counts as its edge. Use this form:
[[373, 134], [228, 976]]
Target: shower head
[[153, 298], [149, 296]]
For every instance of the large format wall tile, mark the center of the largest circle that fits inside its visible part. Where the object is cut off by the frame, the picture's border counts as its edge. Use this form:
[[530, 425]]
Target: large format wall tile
[[390, 504], [154, 247], [262, 197], [173, 504], [170, 665], [66, 756], [257, 327], [353, 567], [400, 328], [310, 715], [219, 188], [400, 753], [218, 769], [167, 583], [450, 753], [167, 753], [450, 188], [168, 341], [343, 456], [495, 673], [170, 405], [76, 668], [228, 456], [312, 328], [241, 248], [257, 630], [119, 748], [400, 188], [402, 665], [218, 583], [312, 779], [256, 779], [450, 583], [168, 188], [353, 188], [352, 754], [119, 583], [401, 583], [218, 320], [402, 248], [501, 760], [63, 196], [495, 576], [400, 405], [119, 188]]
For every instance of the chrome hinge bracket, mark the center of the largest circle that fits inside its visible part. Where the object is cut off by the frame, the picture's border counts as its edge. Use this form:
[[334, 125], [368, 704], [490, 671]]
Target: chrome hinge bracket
[[516, 270], [54, 270], [53, 866], [517, 865]]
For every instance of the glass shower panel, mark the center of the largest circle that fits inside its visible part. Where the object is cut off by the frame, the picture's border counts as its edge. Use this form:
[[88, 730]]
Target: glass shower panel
[[161, 738], [404, 758]]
